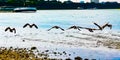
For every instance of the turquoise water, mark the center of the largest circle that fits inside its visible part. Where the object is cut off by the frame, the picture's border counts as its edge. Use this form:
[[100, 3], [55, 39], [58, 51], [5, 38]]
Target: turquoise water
[[63, 18]]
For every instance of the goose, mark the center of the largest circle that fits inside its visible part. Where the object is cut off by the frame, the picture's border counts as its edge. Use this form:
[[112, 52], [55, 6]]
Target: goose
[[10, 29], [27, 24], [107, 25], [56, 27], [75, 27], [102, 27]]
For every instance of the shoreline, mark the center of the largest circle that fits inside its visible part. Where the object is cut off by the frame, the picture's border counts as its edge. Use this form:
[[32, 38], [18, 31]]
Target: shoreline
[[7, 11]]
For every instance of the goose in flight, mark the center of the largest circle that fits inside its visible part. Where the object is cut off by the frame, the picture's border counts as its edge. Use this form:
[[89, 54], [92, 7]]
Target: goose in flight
[[10, 29], [31, 26], [75, 27], [56, 27], [27, 24], [90, 29], [102, 27]]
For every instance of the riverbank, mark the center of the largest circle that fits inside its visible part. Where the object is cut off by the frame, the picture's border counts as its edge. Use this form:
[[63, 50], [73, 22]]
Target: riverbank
[[29, 54], [11, 11]]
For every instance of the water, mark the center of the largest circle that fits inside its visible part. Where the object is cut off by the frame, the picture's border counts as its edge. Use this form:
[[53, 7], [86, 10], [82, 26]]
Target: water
[[63, 18]]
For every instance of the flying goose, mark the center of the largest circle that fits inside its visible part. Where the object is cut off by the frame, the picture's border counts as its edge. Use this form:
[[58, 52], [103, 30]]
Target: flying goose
[[32, 25], [10, 29], [56, 27], [75, 27], [105, 25]]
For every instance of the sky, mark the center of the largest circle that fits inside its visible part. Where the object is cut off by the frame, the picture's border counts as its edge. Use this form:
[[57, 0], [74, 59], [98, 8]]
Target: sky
[[99, 0]]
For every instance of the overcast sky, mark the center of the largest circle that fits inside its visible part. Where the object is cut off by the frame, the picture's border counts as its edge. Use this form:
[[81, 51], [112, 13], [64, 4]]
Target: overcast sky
[[99, 0]]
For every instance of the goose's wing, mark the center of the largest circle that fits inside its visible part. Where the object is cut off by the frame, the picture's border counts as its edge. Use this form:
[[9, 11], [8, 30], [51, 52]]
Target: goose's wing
[[71, 27], [56, 27], [27, 24], [35, 26], [50, 29], [8, 28], [62, 29], [79, 29], [105, 25], [98, 26]]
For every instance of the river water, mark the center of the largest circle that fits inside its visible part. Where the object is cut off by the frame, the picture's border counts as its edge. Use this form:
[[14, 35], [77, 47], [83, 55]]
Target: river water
[[64, 18]]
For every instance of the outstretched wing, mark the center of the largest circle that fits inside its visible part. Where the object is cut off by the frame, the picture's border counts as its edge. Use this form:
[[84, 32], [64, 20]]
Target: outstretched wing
[[8, 28], [79, 29], [14, 30], [62, 29], [104, 25], [98, 26], [53, 27], [50, 29], [73, 27], [56, 27], [34, 26], [70, 27], [27, 24]]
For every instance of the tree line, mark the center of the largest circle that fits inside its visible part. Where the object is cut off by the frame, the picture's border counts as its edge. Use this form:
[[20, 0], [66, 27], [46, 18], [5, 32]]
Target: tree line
[[54, 4]]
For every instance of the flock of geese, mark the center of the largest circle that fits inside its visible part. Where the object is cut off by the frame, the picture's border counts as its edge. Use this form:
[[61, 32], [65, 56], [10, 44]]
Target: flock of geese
[[13, 30]]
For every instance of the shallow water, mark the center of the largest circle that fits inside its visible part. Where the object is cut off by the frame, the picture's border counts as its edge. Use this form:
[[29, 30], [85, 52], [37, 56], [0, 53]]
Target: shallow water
[[63, 18]]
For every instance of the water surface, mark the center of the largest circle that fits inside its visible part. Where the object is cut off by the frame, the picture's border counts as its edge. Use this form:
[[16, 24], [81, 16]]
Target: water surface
[[63, 18]]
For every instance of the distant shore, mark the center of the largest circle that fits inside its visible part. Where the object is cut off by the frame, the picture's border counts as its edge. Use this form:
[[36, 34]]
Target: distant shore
[[11, 11]]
